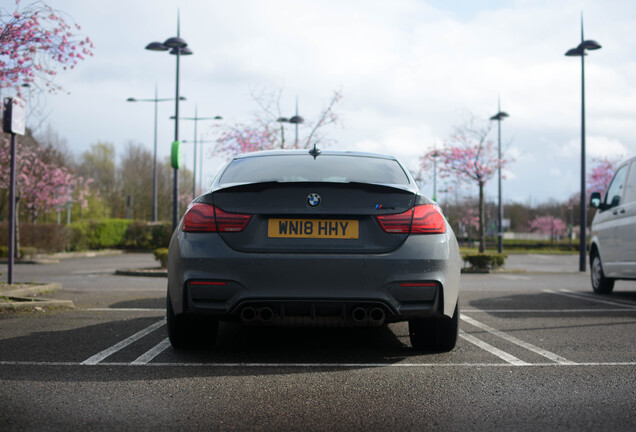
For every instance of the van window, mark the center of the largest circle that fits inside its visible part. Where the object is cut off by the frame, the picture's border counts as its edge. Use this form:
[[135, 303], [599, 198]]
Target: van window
[[615, 190], [630, 186]]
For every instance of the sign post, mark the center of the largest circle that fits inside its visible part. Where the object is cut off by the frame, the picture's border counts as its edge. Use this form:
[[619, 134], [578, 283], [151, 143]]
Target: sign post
[[13, 116]]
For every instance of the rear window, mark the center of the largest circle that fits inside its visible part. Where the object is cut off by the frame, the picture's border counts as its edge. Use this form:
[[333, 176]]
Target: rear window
[[305, 168]]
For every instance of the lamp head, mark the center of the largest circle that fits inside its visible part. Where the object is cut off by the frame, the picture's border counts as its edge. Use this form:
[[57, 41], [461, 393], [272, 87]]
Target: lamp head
[[181, 51], [500, 116], [589, 45], [175, 42], [156, 46]]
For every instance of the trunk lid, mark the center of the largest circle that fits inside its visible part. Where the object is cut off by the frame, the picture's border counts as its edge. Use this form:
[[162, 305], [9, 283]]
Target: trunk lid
[[313, 217]]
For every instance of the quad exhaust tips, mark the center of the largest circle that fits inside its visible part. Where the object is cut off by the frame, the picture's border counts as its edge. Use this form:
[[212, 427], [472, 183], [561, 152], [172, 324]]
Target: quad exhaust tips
[[358, 317]]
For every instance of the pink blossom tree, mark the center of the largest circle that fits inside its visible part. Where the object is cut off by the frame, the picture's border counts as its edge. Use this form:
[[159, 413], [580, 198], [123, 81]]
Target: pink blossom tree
[[601, 173], [34, 41], [238, 139], [470, 158], [40, 186], [549, 225]]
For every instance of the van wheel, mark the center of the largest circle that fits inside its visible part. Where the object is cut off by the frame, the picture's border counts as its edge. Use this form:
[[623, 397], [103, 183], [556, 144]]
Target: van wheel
[[438, 334], [600, 283]]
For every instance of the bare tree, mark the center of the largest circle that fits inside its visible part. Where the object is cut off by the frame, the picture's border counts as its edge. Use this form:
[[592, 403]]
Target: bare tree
[[266, 131]]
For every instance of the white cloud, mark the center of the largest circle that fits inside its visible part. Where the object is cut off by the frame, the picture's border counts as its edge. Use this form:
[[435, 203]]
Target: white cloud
[[407, 68], [601, 146]]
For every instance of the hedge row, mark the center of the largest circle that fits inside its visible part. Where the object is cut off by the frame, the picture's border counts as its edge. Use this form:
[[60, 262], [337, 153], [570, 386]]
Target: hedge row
[[485, 261], [91, 235]]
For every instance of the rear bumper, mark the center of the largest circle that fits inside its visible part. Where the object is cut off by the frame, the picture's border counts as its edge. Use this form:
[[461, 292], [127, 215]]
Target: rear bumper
[[418, 279]]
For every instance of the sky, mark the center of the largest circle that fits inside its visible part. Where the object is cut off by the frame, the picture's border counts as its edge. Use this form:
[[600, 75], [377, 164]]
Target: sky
[[409, 71]]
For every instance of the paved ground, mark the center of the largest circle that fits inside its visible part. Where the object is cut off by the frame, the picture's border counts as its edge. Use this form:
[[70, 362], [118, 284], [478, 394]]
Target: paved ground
[[536, 351]]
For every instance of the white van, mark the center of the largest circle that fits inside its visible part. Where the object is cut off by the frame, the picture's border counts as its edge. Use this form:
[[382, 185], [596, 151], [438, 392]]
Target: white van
[[613, 241]]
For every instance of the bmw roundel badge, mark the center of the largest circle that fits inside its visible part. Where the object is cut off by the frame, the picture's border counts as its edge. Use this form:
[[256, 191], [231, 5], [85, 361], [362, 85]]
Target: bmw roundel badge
[[313, 199]]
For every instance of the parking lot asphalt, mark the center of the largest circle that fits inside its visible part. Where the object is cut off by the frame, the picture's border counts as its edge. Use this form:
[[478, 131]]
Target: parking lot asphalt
[[537, 350]]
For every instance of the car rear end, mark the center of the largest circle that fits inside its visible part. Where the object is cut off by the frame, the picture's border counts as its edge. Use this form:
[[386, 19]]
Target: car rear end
[[334, 240]]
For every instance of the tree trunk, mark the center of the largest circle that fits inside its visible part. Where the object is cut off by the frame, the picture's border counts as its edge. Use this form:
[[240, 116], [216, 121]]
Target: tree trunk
[[482, 222]]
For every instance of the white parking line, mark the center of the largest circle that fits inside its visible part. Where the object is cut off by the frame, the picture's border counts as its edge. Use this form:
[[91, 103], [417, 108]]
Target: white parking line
[[547, 354], [542, 311], [313, 365], [152, 353], [109, 351], [585, 296], [492, 350], [596, 299]]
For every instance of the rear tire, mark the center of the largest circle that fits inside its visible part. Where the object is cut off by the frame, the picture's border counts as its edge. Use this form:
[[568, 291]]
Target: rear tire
[[437, 334], [186, 331], [600, 284]]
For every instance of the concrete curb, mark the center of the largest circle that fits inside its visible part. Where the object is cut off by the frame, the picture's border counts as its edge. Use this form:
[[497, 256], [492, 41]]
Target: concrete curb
[[29, 303], [20, 299], [150, 272], [56, 257]]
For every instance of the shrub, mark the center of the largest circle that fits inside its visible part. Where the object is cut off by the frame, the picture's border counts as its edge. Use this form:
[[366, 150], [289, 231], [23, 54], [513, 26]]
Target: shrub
[[148, 235], [23, 252], [483, 261], [101, 234], [161, 255], [41, 236]]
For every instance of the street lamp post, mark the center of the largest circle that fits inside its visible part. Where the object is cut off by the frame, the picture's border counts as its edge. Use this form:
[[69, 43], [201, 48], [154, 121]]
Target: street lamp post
[[296, 120], [156, 100], [581, 51], [177, 47], [499, 117], [435, 155], [200, 155], [196, 118]]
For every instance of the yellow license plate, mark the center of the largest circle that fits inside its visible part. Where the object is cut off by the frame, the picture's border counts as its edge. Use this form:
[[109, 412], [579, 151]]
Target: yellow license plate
[[313, 228]]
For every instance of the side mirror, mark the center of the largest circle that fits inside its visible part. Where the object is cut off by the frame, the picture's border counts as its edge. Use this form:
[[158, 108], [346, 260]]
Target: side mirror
[[595, 200]]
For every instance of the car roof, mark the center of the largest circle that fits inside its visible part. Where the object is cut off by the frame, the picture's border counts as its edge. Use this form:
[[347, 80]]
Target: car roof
[[306, 152]]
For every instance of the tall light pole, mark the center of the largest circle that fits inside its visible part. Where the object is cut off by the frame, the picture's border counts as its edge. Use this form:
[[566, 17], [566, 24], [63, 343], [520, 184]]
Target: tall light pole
[[499, 117], [581, 51], [296, 120], [156, 100], [435, 155], [200, 156], [177, 47], [196, 118]]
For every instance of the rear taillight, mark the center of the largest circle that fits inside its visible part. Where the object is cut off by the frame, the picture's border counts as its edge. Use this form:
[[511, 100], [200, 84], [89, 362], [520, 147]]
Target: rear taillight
[[208, 218], [421, 219]]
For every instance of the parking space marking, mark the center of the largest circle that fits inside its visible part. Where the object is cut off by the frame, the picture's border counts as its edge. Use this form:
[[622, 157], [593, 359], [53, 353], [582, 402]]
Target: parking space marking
[[543, 311], [547, 354], [152, 353], [492, 350], [118, 346], [585, 296], [313, 365]]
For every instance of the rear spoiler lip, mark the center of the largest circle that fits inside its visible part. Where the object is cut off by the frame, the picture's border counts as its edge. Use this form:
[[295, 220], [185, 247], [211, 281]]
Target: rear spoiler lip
[[231, 186]]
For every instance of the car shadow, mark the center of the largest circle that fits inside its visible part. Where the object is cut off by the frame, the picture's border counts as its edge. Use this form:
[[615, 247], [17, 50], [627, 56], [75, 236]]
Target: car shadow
[[240, 350]]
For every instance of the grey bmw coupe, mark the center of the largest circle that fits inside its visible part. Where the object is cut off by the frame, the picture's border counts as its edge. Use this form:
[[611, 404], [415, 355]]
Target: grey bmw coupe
[[315, 239]]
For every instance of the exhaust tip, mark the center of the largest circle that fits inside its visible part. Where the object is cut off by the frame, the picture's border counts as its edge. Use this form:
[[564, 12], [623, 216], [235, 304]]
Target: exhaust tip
[[265, 314], [248, 314], [377, 316], [359, 314]]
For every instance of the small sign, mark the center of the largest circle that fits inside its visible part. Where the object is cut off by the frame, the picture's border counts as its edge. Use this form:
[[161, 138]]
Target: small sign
[[175, 155], [14, 116]]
